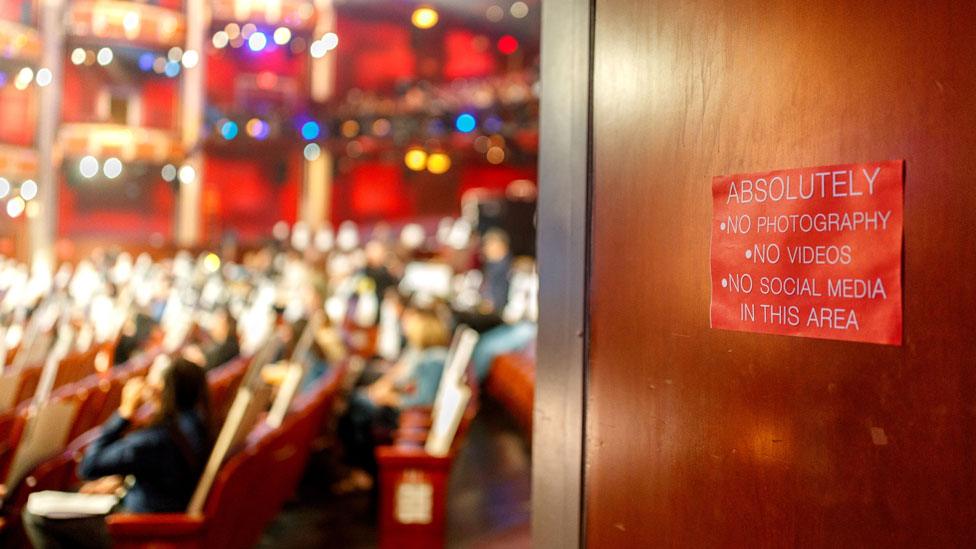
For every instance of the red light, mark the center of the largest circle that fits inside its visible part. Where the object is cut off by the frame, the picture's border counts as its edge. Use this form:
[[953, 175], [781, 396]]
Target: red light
[[267, 80], [507, 44]]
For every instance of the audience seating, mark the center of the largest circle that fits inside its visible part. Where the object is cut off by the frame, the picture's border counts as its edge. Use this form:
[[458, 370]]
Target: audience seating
[[250, 488], [511, 382]]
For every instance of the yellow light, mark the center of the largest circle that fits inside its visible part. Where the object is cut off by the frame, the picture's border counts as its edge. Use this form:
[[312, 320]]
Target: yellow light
[[253, 127], [415, 159], [438, 163], [424, 17], [211, 262]]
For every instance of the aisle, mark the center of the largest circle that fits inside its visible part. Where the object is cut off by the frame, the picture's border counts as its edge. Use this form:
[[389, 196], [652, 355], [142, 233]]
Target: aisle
[[488, 505]]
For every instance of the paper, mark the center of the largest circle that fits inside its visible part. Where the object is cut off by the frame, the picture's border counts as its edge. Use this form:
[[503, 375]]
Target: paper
[[813, 252], [64, 505]]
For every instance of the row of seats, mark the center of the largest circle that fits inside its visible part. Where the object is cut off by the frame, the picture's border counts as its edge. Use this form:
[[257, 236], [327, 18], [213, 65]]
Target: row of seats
[[99, 396], [511, 382]]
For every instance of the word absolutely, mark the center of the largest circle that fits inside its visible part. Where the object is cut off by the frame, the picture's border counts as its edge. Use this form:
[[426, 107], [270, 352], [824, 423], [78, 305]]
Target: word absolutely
[[820, 184]]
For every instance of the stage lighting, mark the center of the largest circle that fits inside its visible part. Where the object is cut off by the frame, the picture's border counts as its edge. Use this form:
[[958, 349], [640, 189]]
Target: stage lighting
[[112, 168], [104, 56], [88, 167], [310, 130], [257, 41], [438, 163], [282, 35], [424, 17], [28, 189], [465, 123], [415, 159]]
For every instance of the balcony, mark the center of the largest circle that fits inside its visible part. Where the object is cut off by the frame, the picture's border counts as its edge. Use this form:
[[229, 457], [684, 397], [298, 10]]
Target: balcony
[[294, 14], [17, 163], [127, 143], [127, 23], [19, 44]]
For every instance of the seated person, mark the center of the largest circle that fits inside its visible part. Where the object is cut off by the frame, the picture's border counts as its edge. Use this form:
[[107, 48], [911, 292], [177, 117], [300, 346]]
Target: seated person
[[221, 342], [165, 457], [374, 410], [135, 333], [326, 349]]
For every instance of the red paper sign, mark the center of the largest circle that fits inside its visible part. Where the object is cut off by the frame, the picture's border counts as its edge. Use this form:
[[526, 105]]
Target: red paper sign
[[812, 252]]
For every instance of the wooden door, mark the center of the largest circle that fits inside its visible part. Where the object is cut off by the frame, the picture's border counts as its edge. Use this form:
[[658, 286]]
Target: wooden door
[[705, 438]]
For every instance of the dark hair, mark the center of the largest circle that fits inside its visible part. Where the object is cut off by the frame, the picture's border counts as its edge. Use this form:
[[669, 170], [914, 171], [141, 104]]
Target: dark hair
[[184, 390], [231, 323]]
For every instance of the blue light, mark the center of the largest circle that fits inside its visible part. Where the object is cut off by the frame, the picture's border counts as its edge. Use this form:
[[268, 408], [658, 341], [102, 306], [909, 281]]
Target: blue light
[[172, 69], [229, 130], [493, 124], [465, 123], [257, 41], [146, 61], [310, 130]]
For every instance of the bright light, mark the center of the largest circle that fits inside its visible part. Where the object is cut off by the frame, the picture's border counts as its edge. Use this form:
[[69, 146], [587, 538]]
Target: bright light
[[311, 130], [4, 187], [232, 30], [312, 151], [257, 41], [88, 167], [465, 123], [172, 69], [220, 39], [330, 40], [131, 25], [146, 61], [229, 130], [211, 262], [438, 163], [508, 44], [258, 129], [281, 36], [317, 49], [112, 168], [416, 159], [28, 189], [175, 54], [190, 58], [247, 30], [15, 206], [32, 209], [23, 78], [519, 10], [169, 172], [104, 56], [43, 77], [187, 174], [424, 17], [77, 56]]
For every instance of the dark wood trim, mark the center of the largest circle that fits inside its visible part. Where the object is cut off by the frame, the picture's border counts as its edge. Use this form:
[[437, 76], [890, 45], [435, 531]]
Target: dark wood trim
[[564, 182]]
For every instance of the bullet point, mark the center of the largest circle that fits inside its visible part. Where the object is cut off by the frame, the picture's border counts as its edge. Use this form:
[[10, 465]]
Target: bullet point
[[722, 226], [725, 283], [748, 254]]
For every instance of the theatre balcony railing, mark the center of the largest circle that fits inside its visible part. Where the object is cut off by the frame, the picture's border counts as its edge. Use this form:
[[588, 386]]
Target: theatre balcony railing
[[126, 143], [126, 23], [17, 163], [296, 15], [19, 45]]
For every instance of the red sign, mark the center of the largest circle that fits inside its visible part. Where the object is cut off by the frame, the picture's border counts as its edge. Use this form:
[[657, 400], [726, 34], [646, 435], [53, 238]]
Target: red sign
[[812, 252]]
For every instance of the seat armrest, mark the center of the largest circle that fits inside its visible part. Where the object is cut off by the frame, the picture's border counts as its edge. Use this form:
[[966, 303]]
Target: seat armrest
[[396, 457], [153, 525]]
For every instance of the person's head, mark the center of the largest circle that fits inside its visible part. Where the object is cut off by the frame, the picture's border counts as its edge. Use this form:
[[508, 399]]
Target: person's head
[[224, 325], [177, 388], [423, 329], [376, 253], [494, 245]]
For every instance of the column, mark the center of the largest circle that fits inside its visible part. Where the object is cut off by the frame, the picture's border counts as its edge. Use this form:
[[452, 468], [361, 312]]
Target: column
[[43, 227], [192, 96]]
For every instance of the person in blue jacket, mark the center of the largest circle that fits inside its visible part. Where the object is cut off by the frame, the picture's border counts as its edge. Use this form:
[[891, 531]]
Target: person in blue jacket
[[374, 410], [164, 458]]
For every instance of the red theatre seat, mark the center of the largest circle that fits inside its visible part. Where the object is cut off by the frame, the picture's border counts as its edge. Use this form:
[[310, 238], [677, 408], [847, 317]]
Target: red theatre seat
[[249, 490]]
